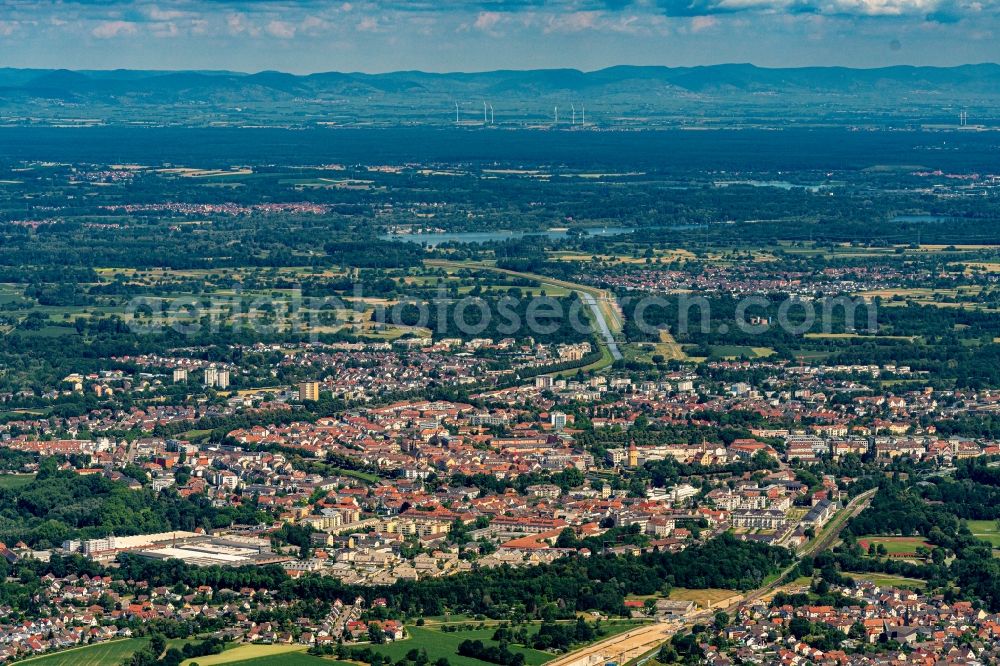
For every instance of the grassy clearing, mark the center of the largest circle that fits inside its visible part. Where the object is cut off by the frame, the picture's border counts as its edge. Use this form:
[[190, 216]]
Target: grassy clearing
[[729, 352], [195, 435], [668, 347], [986, 530], [887, 580], [362, 476], [15, 481], [894, 545], [100, 654]]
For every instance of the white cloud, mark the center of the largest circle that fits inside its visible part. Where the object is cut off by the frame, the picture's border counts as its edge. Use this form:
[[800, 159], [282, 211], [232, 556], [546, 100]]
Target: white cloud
[[917, 8], [700, 23], [110, 29], [281, 29], [574, 21], [164, 29], [158, 14], [314, 24], [238, 25], [488, 21]]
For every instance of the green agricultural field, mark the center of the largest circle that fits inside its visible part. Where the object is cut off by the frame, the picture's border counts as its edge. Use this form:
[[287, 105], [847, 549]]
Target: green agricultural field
[[445, 644], [289, 659], [252, 652], [248, 652], [987, 530], [100, 654]]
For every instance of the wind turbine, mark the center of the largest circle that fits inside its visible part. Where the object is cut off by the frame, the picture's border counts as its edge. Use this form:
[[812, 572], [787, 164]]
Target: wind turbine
[[491, 114], [456, 113], [573, 108], [556, 112], [484, 112]]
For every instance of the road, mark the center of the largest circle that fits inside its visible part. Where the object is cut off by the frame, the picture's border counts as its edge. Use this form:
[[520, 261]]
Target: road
[[601, 303], [630, 645], [633, 644], [602, 325]]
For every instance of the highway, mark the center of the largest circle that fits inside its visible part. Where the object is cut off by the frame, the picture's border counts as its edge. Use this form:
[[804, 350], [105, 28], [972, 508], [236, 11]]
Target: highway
[[607, 318], [637, 642], [602, 324]]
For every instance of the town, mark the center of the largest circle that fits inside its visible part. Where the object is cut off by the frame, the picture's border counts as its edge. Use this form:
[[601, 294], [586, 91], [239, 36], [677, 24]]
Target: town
[[566, 402]]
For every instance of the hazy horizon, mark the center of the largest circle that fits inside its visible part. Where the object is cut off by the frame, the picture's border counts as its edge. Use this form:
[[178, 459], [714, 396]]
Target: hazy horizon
[[377, 36], [459, 72]]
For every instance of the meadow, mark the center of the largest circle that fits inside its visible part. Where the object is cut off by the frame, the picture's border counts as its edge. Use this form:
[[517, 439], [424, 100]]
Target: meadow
[[15, 481], [895, 546], [987, 530], [888, 580]]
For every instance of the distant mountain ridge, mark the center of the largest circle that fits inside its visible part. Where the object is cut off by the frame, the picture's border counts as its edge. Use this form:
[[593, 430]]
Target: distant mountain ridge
[[738, 76], [620, 89]]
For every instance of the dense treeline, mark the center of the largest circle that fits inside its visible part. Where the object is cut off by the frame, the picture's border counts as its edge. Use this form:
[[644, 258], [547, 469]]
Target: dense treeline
[[494, 654], [566, 479], [57, 506], [934, 509], [570, 585], [955, 344]]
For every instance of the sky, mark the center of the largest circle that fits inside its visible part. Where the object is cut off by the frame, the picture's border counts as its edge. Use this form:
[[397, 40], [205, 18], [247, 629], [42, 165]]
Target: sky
[[475, 35]]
